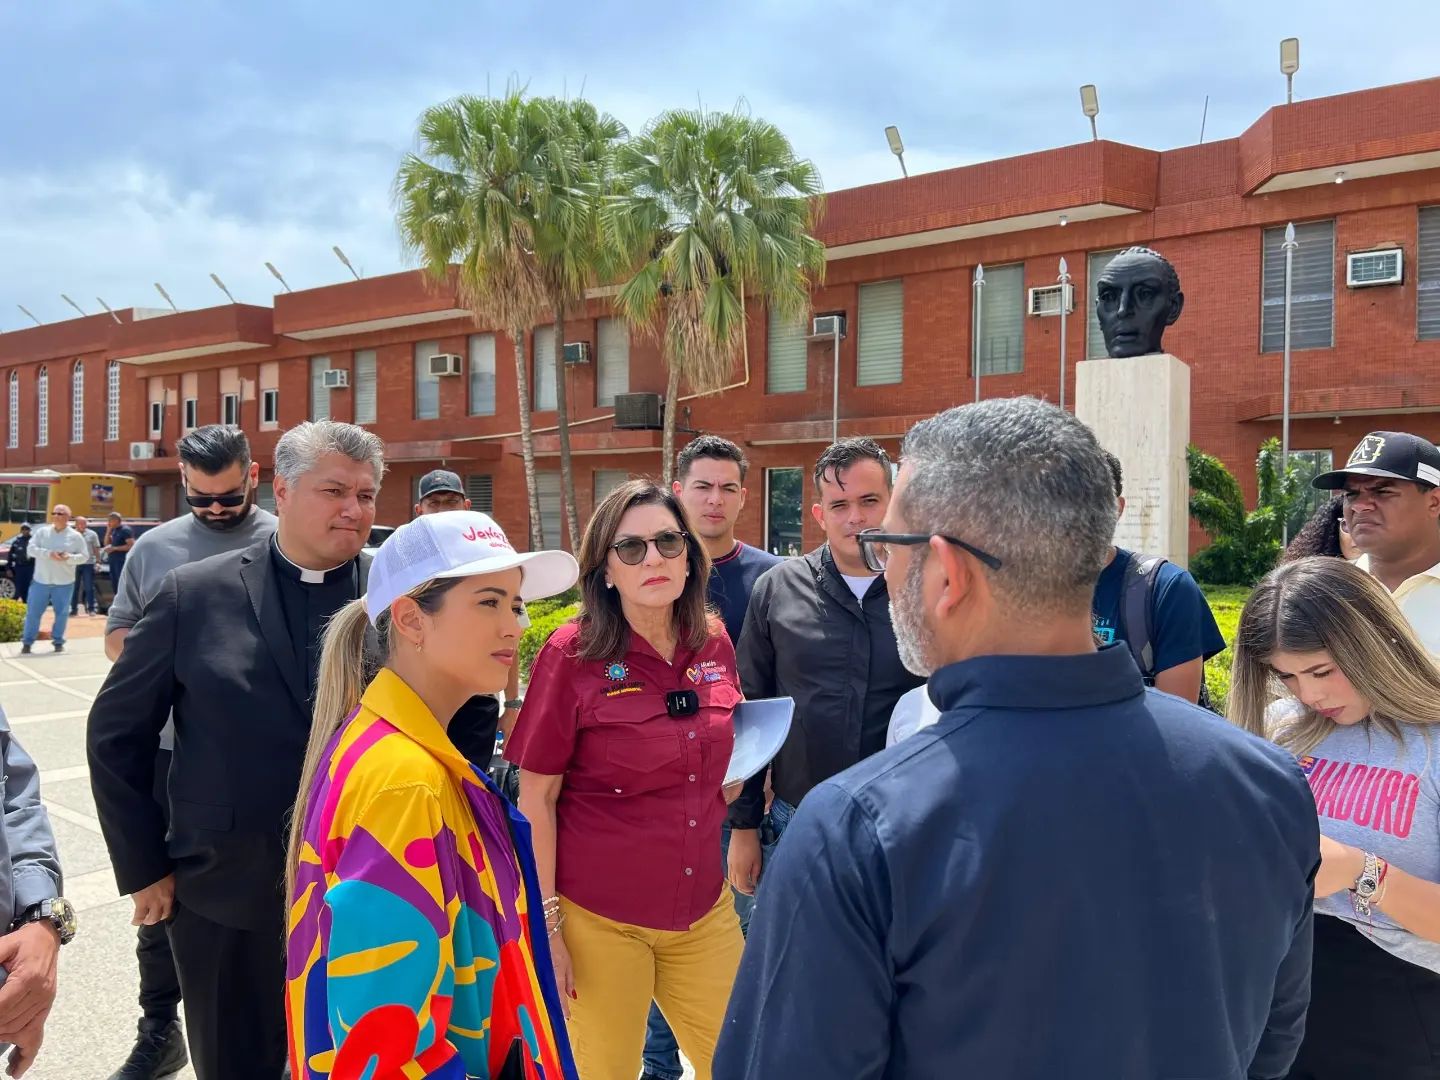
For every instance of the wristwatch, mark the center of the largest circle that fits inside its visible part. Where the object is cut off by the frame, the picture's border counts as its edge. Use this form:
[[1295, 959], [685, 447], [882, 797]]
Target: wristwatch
[[59, 913], [1367, 883]]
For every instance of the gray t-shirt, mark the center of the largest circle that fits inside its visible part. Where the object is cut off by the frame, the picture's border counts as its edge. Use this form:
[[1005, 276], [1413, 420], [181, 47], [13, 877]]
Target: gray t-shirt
[[92, 545], [162, 549], [1383, 796]]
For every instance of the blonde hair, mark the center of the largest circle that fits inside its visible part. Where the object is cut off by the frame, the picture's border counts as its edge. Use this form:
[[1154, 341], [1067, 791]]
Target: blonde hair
[[1323, 604], [345, 671]]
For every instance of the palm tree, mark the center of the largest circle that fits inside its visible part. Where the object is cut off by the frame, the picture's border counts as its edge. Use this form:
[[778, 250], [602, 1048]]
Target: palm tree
[[709, 210], [568, 249], [468, 196]]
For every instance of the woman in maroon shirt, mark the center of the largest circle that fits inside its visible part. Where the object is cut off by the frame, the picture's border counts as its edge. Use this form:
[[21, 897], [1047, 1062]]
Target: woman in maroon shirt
[[622, 747]]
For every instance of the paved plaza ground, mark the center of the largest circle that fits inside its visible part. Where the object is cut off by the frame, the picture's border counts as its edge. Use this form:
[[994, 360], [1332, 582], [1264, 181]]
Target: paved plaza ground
[[46, 698]]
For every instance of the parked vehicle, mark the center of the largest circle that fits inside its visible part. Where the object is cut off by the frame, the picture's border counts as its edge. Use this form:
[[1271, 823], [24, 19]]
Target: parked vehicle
[[27, 497]]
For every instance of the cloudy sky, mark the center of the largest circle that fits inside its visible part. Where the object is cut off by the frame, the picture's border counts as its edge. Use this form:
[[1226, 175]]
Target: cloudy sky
[[160, 140]]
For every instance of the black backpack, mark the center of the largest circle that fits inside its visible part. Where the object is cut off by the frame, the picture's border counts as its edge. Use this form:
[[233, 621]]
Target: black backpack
[[1137, 607]]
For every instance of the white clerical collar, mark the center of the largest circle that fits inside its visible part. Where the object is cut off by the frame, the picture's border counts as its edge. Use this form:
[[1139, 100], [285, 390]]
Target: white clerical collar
[[309, 577]]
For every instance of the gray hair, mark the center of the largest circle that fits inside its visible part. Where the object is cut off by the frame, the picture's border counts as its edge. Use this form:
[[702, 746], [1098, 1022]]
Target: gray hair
[[1023, 480], [300, 448]]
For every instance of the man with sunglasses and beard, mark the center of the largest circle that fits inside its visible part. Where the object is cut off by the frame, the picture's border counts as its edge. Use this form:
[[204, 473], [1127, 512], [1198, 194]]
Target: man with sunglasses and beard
[[220, 481]]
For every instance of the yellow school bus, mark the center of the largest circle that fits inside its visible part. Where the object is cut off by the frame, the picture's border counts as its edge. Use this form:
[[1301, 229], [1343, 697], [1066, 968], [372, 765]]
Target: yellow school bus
[[26, 497]]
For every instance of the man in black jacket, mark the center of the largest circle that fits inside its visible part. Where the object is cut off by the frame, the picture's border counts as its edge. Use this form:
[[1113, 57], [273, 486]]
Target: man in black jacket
[[818, 630], [231, 645]]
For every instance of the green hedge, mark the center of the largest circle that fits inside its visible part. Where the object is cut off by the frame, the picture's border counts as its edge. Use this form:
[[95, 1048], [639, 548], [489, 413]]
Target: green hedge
[[545, 619], [1226, 602], [12, 620]]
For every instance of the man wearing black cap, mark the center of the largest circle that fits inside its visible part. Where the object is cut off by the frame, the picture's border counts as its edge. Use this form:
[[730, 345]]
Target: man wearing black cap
[[1392, 513], [440, 490]]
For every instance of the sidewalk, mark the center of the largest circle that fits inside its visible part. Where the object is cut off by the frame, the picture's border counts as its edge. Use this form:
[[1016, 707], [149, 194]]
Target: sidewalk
[[80, 626]]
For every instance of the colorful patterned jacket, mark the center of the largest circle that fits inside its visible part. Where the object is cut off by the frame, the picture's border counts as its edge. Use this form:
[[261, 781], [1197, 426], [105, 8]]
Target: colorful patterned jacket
[[416, 946]]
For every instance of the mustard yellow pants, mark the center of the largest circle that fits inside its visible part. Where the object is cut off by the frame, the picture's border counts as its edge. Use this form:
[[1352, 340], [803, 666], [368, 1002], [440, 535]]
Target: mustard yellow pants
[[620, 969]]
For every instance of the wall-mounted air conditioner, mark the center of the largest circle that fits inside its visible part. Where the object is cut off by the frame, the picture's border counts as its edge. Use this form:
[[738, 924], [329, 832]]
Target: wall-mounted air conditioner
[[142, 451], [639, 412], [577, 352], [445, 364], [335, 379], [1049, 299], [1366, 268]]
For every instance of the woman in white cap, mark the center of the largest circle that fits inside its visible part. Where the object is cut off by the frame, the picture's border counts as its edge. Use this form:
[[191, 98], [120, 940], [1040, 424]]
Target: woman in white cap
[[416, 940]]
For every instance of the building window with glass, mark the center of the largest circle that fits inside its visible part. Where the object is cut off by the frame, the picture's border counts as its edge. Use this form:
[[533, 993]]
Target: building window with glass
[[270, 395], [480, 490], [1095, 265], [612, 364], [1001, 346], [1427, 277], [784, 499], [427, 386], [319, 393], [543, 365], [364, 388], [786, 356], [112, 401], [881, 340], [77, 402], [42, 406], [12, 431], [1312, 288], [482, 374]]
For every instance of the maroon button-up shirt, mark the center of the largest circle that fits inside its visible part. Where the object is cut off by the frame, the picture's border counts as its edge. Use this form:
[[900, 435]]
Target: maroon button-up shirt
[[639, 816]]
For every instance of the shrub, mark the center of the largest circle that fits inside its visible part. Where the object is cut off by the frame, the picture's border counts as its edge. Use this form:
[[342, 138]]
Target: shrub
[[541, 627], [1226, 602], [12, 620]]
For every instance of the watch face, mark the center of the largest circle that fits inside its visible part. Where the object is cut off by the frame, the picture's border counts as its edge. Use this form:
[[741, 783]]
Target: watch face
[[62, 914]]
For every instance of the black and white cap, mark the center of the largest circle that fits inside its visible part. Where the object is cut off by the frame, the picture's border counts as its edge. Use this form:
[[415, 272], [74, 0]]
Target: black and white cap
[[1394, 454]]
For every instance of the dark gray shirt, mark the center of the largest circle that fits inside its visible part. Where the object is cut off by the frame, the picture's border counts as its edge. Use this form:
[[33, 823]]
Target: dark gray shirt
[[806, 636]]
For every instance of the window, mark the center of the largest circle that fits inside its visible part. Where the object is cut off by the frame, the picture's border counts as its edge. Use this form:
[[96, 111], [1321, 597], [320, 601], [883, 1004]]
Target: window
[[230, 409], [319, 393], [1308, 464], [12, 430], [882, 334], [270, 394], [1094, 339], [1427, 299], [157, 419], [1002, 320], [112, 401], [547, 485], [364, 391], [482, 374], [784, 490], [192, 414], [42, 407], [544, 368], [480, 490], [77, 402], [427, 386], [1312, 288], [606, 481], [265, 495], [786, 357], [150, 501], [612, 370]]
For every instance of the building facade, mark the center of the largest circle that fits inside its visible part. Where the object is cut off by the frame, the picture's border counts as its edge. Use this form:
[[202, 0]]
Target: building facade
[[1358, 174]]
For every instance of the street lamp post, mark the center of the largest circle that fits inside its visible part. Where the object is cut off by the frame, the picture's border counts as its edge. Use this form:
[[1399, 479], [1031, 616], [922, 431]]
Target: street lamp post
[[835, 383], [1289, 247], [1064, 297], [979, 287]]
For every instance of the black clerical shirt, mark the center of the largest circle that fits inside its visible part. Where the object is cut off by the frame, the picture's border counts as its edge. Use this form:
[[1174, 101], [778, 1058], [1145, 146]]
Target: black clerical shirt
[[309, 598]]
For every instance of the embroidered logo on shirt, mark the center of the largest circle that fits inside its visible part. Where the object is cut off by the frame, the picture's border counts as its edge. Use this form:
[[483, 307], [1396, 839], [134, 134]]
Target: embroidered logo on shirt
[[617, 672], [710, 671], [625, 688], [693, 674]]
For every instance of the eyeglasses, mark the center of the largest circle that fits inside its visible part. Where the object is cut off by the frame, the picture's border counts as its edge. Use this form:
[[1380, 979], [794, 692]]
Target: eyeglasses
[[875, 547], [200, 502], [670, 544], [58, 513]]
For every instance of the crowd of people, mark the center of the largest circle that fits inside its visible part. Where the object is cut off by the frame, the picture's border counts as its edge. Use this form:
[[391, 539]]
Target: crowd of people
[[984, 845]]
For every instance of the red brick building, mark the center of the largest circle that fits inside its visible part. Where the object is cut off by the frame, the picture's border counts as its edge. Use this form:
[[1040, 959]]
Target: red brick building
[[1357, 173]]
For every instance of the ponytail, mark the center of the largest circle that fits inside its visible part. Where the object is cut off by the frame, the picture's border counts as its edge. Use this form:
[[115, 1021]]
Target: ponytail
[[342, 681]]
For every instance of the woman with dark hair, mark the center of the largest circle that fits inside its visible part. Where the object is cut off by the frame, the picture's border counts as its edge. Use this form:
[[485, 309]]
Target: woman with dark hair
[[623, 745], [1359, 707], [1324, 534]]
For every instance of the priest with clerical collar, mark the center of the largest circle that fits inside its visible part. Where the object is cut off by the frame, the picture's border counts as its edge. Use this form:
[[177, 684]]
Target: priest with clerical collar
[[231, 644]]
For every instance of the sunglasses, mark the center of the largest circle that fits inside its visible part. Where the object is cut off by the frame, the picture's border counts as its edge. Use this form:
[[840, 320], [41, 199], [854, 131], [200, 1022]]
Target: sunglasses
[[200, 502], [58, 513], [670, 544]]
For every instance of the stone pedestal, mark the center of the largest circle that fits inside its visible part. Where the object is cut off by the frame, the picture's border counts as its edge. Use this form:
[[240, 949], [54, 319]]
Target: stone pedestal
[[1139, 409]]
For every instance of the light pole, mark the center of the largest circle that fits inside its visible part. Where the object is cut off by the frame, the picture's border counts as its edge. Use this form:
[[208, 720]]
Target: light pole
[[1289, 65], [835, 382], [1289, 247], [892, 136], [1090, 106], [341, 256], [979, 287], [1064, 304]]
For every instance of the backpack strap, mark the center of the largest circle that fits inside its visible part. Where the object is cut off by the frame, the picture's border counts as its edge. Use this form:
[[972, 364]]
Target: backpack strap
[[1137, 607]]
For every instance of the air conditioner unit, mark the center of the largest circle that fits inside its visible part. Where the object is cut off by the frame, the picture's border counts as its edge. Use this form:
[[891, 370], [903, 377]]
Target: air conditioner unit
[[639, 412], [445, 364], [142, 451], [577, 352], [1366, 268], [828, 326], [335, 379], [1049, 299]]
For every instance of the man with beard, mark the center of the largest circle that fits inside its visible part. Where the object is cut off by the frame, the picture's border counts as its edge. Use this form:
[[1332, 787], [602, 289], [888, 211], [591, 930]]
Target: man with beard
[[1066, 875], [231, 644], [220, 481], [818, 630]]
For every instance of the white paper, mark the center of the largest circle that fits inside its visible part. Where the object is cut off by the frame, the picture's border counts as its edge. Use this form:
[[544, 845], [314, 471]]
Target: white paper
[[760, 731]]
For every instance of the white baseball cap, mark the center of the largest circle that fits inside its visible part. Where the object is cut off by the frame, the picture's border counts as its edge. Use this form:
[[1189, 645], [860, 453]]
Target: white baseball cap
[[459, 543]]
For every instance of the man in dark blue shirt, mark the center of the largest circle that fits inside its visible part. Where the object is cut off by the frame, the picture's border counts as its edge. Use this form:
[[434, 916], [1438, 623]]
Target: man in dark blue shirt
[[1175, 621], [1066, 876]]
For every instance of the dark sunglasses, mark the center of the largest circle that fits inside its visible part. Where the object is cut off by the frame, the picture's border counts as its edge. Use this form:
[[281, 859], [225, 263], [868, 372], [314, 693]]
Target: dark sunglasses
[[875, 547], [670, 544], [200, 502]]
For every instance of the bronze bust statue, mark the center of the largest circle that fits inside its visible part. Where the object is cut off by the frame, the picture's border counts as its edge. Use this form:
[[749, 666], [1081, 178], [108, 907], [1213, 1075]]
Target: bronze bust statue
[[1136, 297]]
